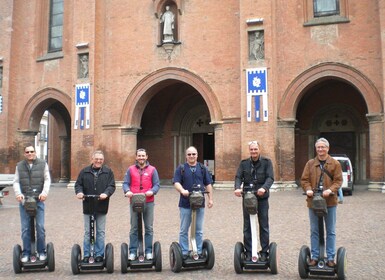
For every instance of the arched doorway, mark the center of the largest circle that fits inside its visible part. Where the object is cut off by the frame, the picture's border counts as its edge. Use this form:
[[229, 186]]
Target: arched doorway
[[57, 104]]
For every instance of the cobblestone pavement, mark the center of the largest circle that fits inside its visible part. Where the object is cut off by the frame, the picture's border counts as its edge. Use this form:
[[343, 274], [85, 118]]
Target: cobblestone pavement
[[360, 229]]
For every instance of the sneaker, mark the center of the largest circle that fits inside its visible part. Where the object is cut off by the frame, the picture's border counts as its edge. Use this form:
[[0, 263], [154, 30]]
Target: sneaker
[[149, 256], [42, 257], [132, 257], [24, 259], [312, 262], [99, 259], [341, 202]]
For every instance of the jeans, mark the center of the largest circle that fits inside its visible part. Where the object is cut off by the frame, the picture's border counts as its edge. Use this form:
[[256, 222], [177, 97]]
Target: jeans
[[148, 219], [330, 223], [26, 229], [100, 225], [340, 194], [263, 221], [185, 222]]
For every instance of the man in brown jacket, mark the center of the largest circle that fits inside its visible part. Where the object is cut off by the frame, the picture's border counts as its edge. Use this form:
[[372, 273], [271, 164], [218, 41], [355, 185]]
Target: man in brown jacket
[[323, 171]]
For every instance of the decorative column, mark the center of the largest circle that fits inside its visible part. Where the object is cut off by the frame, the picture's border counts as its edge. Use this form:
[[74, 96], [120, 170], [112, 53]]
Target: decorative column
[[285, 155], [65, 153], [376, 152]]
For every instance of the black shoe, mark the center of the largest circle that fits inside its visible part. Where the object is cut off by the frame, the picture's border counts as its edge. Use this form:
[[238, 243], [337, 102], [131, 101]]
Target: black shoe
[[86, 260], [99, 259], [248, 256], [263, 257]]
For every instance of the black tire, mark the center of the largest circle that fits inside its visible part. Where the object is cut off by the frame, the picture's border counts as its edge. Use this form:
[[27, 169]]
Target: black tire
[[208, 249], [176, 258], [158, 257], [109, 255], [124, 257], [238, 257], [303, 267], [341, 263], [16, 259], [76, 258], [50, 257], [273, 258]]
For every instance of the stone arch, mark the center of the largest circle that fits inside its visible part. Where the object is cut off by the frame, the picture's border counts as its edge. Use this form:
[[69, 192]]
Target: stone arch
[[296, 90], [38, 103], [143, 92]]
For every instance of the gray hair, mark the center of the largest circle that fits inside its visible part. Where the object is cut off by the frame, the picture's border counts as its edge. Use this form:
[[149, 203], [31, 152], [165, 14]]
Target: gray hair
[[323, 140]]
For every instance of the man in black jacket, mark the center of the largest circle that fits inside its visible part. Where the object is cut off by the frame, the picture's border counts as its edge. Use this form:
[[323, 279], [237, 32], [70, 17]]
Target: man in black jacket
[[96, 179], [256, 170]]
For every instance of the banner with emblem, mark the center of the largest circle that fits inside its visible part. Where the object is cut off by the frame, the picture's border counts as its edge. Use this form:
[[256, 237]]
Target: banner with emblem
[[82, 106], [256, 86]]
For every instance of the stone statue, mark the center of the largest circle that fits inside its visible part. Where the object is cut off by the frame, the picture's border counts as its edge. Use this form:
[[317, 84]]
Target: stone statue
[[83, 66], [257, 46], [168, 25]]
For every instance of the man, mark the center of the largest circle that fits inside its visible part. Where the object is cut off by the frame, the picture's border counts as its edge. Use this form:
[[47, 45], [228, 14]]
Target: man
[[32, 173], [95, 179], [141, 178], [323, 171], [186, 175], [256, 170]]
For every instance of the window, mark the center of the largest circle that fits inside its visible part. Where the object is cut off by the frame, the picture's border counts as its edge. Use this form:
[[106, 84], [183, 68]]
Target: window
[[55, 26], [322, 12], [326, 8]]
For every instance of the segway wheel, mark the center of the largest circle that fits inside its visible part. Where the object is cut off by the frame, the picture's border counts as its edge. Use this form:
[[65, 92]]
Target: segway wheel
[[238, 255], [208, 248], [303, 267], [124, 257], [176, 258], [341, 263], [158, 256], [273, 258], [16, 259], [76, 258], [109, 258], [50, 257]]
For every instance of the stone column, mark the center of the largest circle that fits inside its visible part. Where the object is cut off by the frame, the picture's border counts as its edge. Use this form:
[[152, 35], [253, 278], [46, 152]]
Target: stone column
[[376, 151], [285, 155], [65, 154]]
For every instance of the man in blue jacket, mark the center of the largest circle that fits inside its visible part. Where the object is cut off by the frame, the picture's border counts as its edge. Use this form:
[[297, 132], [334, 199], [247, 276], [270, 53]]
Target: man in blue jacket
[[96, 179]]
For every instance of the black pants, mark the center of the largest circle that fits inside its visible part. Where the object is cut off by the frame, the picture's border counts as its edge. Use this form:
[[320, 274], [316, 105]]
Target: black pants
[[263, 221]]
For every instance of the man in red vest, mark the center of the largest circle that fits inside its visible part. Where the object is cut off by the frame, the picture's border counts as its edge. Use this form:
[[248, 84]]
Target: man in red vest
[[141, 178]]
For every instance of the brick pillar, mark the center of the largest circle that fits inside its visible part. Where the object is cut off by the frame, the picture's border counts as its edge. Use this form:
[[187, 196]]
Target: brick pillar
[[285, 173], [376, 151], [65, 153]]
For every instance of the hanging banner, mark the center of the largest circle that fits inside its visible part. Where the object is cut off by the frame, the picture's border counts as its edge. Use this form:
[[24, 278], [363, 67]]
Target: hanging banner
[[256, 84], [82, 106]]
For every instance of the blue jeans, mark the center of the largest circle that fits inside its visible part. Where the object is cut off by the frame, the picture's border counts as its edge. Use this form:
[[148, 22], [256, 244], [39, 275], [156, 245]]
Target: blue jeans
[[148, 219], [185, 222], [26, 229], [340, 194], [330, 223], [100, 225], [263, 221]]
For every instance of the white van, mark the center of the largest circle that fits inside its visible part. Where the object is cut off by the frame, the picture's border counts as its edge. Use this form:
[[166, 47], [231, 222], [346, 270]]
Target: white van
[[347, 173]]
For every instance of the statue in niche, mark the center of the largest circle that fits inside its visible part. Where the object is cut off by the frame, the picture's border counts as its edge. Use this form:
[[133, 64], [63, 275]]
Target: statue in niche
[[257, 46], [168, 25], [83, 66]]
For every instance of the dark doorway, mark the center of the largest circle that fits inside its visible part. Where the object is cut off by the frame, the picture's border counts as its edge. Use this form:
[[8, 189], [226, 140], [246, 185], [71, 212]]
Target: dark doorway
[[204, 142], [341, 143]]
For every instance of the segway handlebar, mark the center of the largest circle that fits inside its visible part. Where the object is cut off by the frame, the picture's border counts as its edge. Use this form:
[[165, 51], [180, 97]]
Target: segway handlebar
[[91, 196]]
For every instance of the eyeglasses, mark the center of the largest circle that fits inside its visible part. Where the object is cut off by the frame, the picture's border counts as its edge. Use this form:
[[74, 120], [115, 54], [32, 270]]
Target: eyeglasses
[[192, 154], [29, 152]]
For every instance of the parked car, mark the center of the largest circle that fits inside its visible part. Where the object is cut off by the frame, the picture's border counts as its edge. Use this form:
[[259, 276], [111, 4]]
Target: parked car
[[347, 173], [6, 180]]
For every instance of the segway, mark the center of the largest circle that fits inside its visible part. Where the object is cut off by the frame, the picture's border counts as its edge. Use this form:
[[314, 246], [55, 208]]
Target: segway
[[30, 205], [138, 204], [77, 264], [321, 269], [193, 260], [253, 262]]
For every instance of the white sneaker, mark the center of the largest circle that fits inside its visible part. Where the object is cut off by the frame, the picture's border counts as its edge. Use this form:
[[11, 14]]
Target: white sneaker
[[24, 259], [132, 257], [149, 256], [42, 257]]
